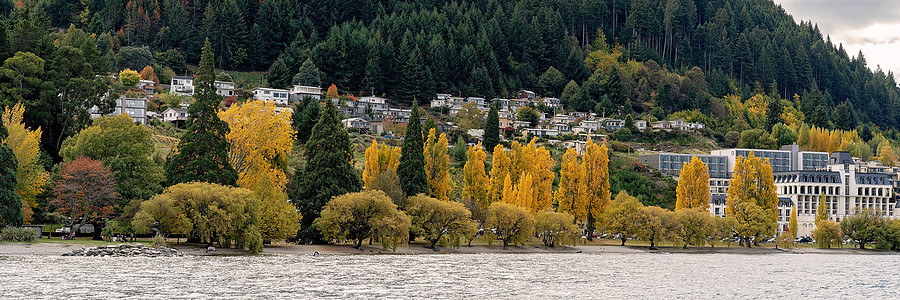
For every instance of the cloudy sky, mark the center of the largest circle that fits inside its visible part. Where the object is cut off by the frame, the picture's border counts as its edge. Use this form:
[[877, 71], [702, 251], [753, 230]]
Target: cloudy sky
[[872, 26]]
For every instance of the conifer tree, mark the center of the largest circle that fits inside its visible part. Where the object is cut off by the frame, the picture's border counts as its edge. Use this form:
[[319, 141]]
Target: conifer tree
[[412, 158], [10, 202], [492, 129], [328, 171], [308, 75], [202, 153], [477, 185], [437, 166], [306, 115], [693, 186]]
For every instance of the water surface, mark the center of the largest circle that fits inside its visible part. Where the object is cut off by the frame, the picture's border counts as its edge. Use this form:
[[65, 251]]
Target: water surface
[[441, 276]]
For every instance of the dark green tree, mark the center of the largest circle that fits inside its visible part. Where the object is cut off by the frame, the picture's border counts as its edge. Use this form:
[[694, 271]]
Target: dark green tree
[[135, 58], [10, 202], [224, 26], [273, 30], [308, 75], [773, 113], [413, 84], [412, 160], [429, 124], [551, 82], [492, 129], [306, 115], [328, 171], [202, 153]]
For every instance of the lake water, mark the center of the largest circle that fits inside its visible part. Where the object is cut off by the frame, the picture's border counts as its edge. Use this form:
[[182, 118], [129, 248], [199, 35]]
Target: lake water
[[472, 276]]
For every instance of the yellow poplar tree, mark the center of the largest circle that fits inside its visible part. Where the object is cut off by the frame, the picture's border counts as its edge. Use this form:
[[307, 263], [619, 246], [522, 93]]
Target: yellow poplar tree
[[792, 224], [260, 139], [693, 186], [525, 193], [822, 210], [499, 171], [509, 191], [752, 187], [379, 159], [477, 186], [570, 195], [596, 170], [25, 145], [437, 165], [887, 156], [543, 180]]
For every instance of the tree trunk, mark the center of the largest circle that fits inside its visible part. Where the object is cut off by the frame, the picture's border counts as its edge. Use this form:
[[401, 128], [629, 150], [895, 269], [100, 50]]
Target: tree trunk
[[358, 244], [590, 227], [623, 241], [862, 245], [652, 245], [747, 241]]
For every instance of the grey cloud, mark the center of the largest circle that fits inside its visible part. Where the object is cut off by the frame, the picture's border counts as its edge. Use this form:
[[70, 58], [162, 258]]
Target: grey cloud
[[835, 16]]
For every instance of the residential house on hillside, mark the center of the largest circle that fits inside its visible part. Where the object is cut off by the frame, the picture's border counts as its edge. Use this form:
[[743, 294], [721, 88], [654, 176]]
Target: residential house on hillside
[[148, 86], [279, 96], [182, 86], [299, 91], [176, 115], [136, 108], [526, 94], [552, 102], [224, 88], [358, 123], [613, 124]]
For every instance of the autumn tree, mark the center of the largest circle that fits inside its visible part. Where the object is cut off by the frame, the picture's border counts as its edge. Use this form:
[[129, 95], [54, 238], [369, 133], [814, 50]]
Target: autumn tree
[[127, 149], [821, 210], [260, 141], [218, 214], [476, 186], [437, 220], [202, 152], [596, 170], [572, 186], [129, 78], [693, 186], [469, 117], [535, 163], [85, 190], [25, 144], [508, 223], [655, 222], [412, 158], [379, 160], [10, 202], [827, 234], [752, 199], [147, 73], [887, 156], [792, 223], [278, 218], [331, 92], [500, 165], [555, 229], [328, 172], [437, 165], [695, 226], [622, 217], [161, 213], [364, 215]]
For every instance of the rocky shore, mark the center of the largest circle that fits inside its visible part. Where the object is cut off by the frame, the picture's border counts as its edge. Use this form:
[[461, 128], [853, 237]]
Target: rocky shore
[[125, 250]]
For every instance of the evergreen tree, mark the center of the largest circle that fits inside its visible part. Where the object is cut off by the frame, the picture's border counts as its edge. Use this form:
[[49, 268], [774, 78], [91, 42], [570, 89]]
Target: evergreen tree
[[306, 115], [774, 112], [308, 74], [202, 153], [492, 129], [224, 26], [328, 171], [413, 84], [412, 157], [10, 202]]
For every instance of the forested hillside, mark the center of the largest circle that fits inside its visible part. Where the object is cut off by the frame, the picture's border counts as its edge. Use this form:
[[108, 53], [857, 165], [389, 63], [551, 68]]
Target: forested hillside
[[650, 57]]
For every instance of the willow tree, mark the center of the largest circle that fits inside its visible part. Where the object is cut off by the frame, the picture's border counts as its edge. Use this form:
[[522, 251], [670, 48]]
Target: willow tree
[[328, 172], [693, 186], [364, 215], [752, 198], [412, 158], [596, 170], [260, 142], [202, 153], [437, 165], [623, 216], [476, 181]]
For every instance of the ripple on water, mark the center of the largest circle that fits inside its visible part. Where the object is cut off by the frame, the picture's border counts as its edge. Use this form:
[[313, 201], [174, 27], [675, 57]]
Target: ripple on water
[[475, 276]]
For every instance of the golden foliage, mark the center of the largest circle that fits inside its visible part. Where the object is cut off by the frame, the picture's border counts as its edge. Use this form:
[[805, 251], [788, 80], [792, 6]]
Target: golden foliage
[[25, 145], [378, 160], [536, 163], [437, 165], [824, 140], [752, 198], [596, 170], [278, 218], [570, 195], [887, 156], [260, 139], [358, 216], [556, 228], [476, 181], [623, 216], [500, 165], [509, 223], [693, 186]]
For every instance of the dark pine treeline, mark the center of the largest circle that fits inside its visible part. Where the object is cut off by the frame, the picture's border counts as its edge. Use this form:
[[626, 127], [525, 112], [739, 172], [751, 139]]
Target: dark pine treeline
[[413, 49]]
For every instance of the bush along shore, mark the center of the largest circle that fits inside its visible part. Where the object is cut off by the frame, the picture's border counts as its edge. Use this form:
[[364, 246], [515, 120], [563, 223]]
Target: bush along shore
[[125, 250]]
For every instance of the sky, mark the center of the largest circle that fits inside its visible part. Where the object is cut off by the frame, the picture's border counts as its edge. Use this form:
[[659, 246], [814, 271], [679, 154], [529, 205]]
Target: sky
[[872, 26]]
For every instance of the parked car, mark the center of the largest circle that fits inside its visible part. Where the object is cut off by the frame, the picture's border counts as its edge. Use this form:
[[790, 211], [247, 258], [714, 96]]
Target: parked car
[[804, 239]]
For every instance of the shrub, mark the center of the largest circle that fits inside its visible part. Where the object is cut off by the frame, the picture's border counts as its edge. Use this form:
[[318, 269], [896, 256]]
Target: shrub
[[17, 234], [159, 241]]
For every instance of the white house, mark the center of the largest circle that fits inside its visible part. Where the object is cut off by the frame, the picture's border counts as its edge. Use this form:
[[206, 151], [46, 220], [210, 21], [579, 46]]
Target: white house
[[540, 132], [148, 86], [279, 96], [358, 123], [136, 108], [299, 91], [224, 88], [182, 86], [176, 115]]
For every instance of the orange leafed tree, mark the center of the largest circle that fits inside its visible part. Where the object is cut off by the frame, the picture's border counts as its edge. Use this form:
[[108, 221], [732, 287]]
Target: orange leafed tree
[[332, 92], [85, 190]]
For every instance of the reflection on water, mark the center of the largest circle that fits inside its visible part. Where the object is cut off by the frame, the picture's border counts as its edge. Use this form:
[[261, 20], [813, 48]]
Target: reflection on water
[[477, 276]]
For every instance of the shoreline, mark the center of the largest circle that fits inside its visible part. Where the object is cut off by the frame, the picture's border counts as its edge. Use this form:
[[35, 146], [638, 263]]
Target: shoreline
[[55, 249]]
